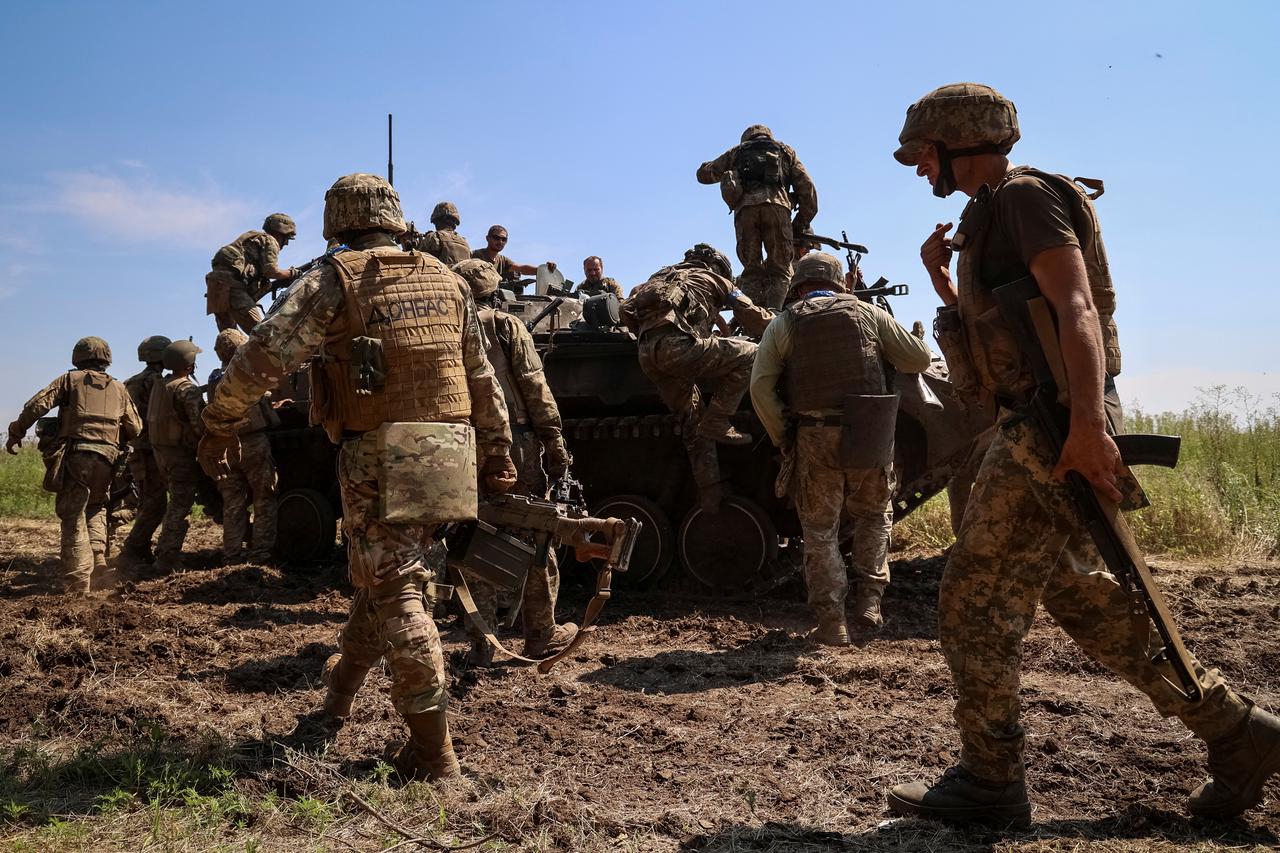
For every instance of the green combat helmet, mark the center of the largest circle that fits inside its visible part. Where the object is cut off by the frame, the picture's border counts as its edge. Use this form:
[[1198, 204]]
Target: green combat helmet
[[362, 202], [152, 349], [480, 275], [180, 356], [282, 224], [819, 266], [90, 350], [444, 211], [711, 257], [227, 342], [961, 119], [756, 130]]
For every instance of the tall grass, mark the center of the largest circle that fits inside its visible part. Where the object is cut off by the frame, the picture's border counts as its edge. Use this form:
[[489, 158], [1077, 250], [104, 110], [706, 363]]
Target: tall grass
[[21, 495]]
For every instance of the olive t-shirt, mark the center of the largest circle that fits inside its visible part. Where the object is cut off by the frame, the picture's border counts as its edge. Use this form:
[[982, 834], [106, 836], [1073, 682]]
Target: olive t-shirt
[[1029, 216], [501, 263]]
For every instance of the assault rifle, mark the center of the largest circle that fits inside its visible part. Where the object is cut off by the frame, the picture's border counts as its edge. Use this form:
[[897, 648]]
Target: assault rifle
[[1031, 321], [875, 293], [302, 269]]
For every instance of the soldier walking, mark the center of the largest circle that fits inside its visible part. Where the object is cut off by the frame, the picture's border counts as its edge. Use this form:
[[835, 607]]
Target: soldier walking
[[832, 357], [243, 270], [95, 420], [174, 429], [400, 347], [148, 482]]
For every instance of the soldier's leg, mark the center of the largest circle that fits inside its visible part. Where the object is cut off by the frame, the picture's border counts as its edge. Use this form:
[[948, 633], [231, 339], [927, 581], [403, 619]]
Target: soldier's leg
[[244, 310], [260, 472], [746, 226], [359, 650], [98, 475], [181, 476], [485, 596], [775, 232], [235, 514], [538, 601], [76, 559], [867, 504], [819, 501], [152, 499]]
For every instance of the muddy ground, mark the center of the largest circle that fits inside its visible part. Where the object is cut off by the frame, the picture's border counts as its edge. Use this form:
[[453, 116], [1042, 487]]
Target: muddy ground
[[688, 723]]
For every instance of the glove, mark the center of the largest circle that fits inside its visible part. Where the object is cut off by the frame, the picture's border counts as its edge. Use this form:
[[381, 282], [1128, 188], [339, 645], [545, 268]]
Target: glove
[[217, 454], [558, 457], [499, 474], [13, 444]]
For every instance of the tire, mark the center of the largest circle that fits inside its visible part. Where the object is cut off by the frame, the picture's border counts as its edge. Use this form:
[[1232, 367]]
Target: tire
[[307, 527], [730, 550], [655, 548]]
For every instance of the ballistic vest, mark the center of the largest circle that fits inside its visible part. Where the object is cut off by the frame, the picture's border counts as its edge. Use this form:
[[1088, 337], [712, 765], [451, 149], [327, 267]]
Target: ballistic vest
[[244, 257], [834, 353], [139, 387], [167, 424], [499, 354], [449, 246], [94, 405], [412, 306]]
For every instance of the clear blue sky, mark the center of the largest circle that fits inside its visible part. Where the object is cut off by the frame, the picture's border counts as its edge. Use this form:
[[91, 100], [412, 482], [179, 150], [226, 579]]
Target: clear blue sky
[[139, 137]]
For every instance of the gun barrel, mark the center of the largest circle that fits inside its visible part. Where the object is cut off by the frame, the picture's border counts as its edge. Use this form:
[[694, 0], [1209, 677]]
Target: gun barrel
[[836, 244]]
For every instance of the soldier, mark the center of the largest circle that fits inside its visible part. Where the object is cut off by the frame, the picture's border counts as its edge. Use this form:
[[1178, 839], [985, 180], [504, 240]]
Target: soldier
[[827, 346], [762, 179], [1020, 541], [672, 314], [445, 242], [142, 462], [401, 347], [174, 429], [243, 271], [508, 270], [535, 432], [95, 420], [253, 475], [594, 283]]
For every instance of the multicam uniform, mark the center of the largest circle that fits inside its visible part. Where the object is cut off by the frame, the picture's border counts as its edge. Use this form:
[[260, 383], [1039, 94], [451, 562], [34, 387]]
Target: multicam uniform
[[95, 418], [152, 497], [252, 481], [238, 279], [174, 428]]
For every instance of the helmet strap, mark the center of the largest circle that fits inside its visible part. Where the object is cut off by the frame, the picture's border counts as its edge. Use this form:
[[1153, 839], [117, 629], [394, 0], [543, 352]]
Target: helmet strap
[[946, 183]]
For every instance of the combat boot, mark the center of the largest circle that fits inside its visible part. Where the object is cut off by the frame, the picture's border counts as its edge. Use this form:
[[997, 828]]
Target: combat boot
[[866, 608], [959, 796], [831, 631], [553, 643], [343, 680], [429, 755], [480, 655], [1240, 763], [719, 429]]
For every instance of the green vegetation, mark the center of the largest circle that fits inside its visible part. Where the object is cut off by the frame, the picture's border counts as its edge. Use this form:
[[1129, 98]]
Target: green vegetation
[[21, 495]]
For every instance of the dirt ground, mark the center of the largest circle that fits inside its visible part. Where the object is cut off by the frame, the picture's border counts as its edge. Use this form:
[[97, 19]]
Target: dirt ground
[[689, 722]]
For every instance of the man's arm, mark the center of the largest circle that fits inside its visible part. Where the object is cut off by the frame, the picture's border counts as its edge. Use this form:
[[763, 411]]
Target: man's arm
[[532, 382], [906, 352], [488, 409], [130, 421], [192, 402], [36, 408], [712, 171], [806, 197], [771, 356]]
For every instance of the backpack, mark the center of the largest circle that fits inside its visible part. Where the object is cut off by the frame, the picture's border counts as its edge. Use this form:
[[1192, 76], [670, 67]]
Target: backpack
[[758, 163]]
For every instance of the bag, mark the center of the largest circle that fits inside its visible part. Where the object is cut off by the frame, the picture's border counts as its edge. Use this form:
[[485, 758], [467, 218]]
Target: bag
[[759, 163], [866, 430], [427, 472], [731, 190], [217, 292], [962, 374], [54, 467]]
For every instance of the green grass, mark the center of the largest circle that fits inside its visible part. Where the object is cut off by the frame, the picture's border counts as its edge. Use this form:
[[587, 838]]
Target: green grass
[[21, 495]]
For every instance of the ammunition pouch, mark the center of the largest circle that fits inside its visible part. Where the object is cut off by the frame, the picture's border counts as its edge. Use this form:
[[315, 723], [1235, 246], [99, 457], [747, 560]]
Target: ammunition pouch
[[485, 552], [963, 375], [866, 430], [731, 190], [427, 472], [368, 365], [54, 466], [217, 291]]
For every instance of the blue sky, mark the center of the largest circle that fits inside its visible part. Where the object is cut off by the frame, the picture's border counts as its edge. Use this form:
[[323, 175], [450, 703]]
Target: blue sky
[[139, 137]]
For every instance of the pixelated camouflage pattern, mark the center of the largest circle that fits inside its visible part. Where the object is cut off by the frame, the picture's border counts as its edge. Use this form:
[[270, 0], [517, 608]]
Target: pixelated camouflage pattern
[[1020, 545], [761, 229], [252, 481], [177, 465], [282, 224], [961, 115], [361, 201], [427, 473], [81, 506], [446, 210]]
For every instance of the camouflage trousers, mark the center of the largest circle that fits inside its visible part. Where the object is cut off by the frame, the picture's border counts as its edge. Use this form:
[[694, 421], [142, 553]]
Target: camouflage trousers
[[1021, 544], [766, 276], [960, 485], [391, 567], [152, 500], [81, 507], [244, 311], [253, 480], [181, 473], [542, 584], [825, 495], [674, 362]]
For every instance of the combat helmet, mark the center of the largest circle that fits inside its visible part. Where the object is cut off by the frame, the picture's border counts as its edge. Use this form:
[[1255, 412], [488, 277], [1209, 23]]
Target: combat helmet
[[152, 349], [362, 202], [480, 275], [91, 351], [446, 210], [711, 257], [282, 224], [756, 130], [961, 119], [818, 266], [227, 342], [180, 356]]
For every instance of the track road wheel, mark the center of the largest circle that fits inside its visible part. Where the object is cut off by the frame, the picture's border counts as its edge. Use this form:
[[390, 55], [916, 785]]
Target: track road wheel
[[655, 548], [306, 526], [728, 550]]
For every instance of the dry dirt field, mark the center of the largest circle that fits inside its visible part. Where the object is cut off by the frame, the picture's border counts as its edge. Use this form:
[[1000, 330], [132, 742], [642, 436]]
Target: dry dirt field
[[161, 719]]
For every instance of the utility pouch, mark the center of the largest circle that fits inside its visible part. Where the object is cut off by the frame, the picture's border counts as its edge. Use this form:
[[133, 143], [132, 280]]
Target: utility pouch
[[949, 333], [866, 430], [731, 190], [485, 552], [368, 365], [427, 472], [217, 292], [54, 470]]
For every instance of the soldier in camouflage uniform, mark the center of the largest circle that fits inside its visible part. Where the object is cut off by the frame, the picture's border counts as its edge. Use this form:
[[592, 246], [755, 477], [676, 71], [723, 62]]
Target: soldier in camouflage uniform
[[762, 180], [535, 431], [147, 481], [243, 270], [672, 314], [594, 282], [826, 346], [174, 429], [253, 475], [1020, 542], [508, 270], [398, 344], [95, 420], [445, 242]]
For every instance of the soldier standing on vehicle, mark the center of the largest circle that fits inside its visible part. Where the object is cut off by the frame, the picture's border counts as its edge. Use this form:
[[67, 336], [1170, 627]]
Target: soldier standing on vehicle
[[95, 420], [253, 475], [152, 497], [594, 283], [243, 271], [672, 314], [535, 433], [1020, 542], [174, 429], [508, 270], [402, 352], [832, 357], [762, 180], [445, 242]]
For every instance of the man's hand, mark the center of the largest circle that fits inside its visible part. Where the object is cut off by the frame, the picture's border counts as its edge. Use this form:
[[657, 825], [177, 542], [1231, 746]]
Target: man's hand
[[1093, 454], [13, 444], [558, 457], [217, 454], [499, 474], [936, 254]]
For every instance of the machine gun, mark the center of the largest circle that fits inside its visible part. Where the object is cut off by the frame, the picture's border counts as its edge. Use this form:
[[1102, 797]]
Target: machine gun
[[552, 307], [488, 549], [876, 293], [1031, 321]]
